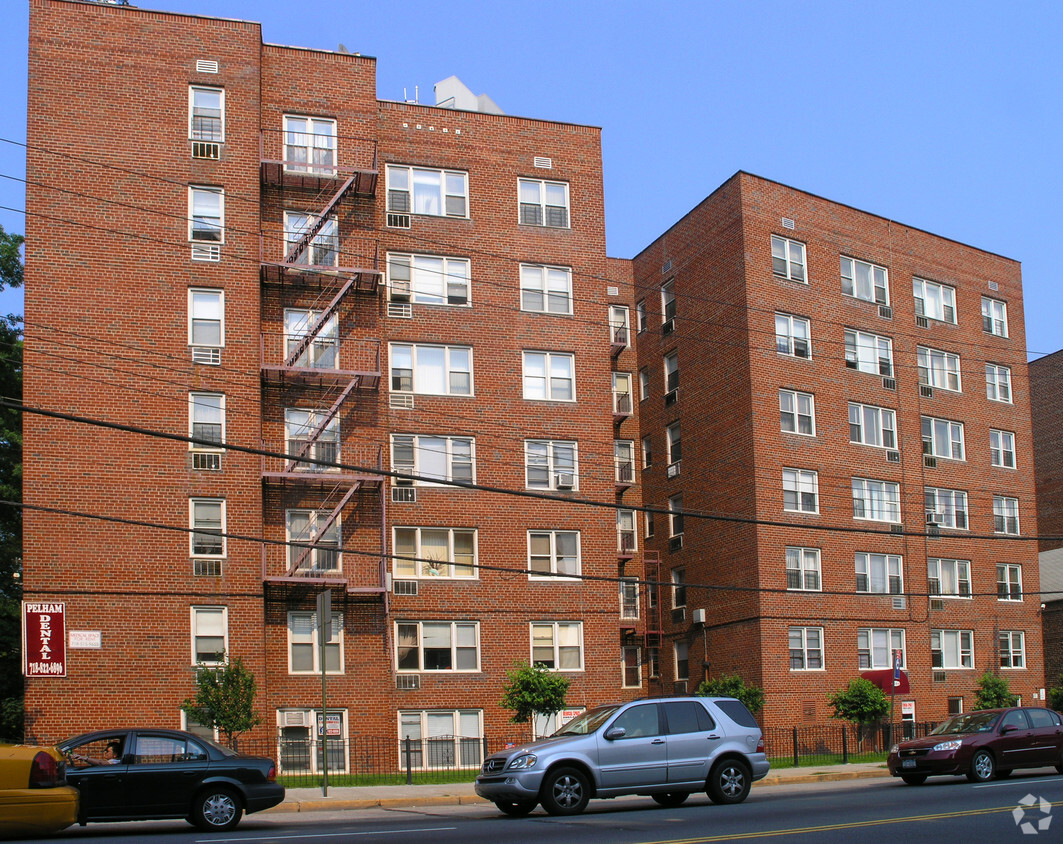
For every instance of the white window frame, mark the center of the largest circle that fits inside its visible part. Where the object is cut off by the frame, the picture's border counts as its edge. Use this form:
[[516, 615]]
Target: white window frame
[[415, 468], [1009, 582], [647, 452], [193, 505], [673, 437], [328, 446], [934, 301], [625, 652], [876, 500], [555, 628], [883, 574], [948, 578], [939, 369], [437, 280], [668, 301], [452, 743], [1011, 645], [209, 135], [622, 393], [851, 285], [549, 454], [548, 377], [644, 383], [788, 259], [800, 483], [867, 352], [401, 178], [205, 404], [619, 326], [803, 569], [324, 546], [952, 643], [540, 211], [678, 578], [553, 287], [949, 506], [553, 556], [420, 567], [809, 643], [796, 405], [306, 736], [787, 341], [1001, 446], [875, 647], [206, 230], [201, 309], [452, 368], [323, 249], [640, 316], [324, 350], [675, 515], [943, 438], [188, 725], [994, 317], [198, 613], [874, 426], [1005, 510], [998, 383], [625, 526], [681, 660], [335, 643], [454, 627], [671, 371], [624, 460], [320, 148]]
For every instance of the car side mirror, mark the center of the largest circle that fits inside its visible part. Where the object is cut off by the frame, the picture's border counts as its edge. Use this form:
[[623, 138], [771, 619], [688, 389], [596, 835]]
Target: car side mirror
[[1008, 728], [615, 733]]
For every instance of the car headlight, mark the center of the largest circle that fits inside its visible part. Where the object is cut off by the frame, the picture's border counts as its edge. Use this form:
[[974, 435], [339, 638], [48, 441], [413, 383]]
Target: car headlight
[[525, 760], [895, 748], [948, 745]]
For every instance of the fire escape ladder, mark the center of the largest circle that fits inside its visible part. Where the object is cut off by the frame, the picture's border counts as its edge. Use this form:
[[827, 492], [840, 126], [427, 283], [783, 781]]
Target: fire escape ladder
[[319, 223], [313, 330], [304, 554], [319, 429]]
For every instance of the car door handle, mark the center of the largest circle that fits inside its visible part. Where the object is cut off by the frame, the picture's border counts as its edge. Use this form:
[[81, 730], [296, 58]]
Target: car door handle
[[657, 741], [713, 736]]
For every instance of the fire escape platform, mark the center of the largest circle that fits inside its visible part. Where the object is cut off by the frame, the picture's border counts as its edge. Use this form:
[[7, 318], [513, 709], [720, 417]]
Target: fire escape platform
[[311, 376], [324, 481], [278, 173], [321, 276]]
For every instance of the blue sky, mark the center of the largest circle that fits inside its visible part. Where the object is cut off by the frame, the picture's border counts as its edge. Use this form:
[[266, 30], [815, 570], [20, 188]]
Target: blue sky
[[946, 116]]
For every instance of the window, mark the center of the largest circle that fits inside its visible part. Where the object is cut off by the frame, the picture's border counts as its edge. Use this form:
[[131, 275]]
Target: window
[[797, 412], [1012, 649], [552, 553], [624, 460], [549, 375], [946, 508], [625, 531], [955, 706], [792, 336], [869, 353], [649, 524], [994, 317], [1005, 514], [431, 370], [934, 301], [644, 384], [437, 646], [547, 290], [647, 452], [629, 598], [942, 438], [802, 569], [433, 458], [443, 553], [316, 542], [309, 145], [939, 369], [323, 350], [550, 464], [653, 662], [879, 573], [203, 731], [442, 739], [304, 648], [312, 433], [871, 425], [619, 326], [675, 515], [1002, 448], [640, 316], [949, 578], [632, 665], [878, 501], [865, 281], [206, 215], [952, 648], [323, 249], [206, 420], [800, 490], [557, 645], [681, 652], [679, 588], [429, 279], [671, 372], [622, 392], [674, 440], [210, 635], [806, 648], [207, 517], [668, 300], [300, 733], [875, 647], [998, 383], [788, 259], [543, 203], [1009, 582], [206, 317], [206, 114], [436, 193]]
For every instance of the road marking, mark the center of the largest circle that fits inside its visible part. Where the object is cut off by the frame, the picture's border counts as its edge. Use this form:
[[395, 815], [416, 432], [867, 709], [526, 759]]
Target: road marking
[[1014, 782], [329, 835]]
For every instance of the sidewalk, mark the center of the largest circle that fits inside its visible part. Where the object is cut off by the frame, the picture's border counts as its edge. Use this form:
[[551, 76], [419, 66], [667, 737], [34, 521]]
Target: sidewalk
[[461, 794]]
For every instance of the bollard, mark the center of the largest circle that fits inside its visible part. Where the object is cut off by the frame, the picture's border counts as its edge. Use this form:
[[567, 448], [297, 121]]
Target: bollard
[[409, 763], [796, 760]]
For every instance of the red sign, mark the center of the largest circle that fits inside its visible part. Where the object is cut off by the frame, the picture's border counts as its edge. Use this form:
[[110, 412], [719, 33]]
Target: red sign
[[43, 639]]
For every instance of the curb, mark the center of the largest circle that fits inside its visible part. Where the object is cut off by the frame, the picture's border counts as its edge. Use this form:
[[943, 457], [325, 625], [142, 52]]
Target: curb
[[825, 776]]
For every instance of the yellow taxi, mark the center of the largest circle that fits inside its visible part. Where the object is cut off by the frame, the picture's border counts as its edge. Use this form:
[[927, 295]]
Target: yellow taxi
[[34, 796]]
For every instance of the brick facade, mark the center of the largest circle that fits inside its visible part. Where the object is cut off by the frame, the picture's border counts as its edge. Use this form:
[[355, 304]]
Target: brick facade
[[1046, 407]]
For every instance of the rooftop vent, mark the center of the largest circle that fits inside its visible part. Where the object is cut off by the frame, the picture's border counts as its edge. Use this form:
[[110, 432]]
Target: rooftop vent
[[453, 93]]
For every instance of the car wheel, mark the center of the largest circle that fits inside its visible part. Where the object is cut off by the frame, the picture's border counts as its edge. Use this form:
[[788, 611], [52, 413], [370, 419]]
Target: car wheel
[[671, 799], [216, 809], [729, 781], [516, 808], [914, 779], [983, 767], [565, 792]]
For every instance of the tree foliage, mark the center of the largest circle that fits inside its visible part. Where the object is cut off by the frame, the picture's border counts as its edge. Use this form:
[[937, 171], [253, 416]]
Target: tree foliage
[[1055, 696], [993, 692], [533, 690], [225, 699], [732, 685], [862, 703]]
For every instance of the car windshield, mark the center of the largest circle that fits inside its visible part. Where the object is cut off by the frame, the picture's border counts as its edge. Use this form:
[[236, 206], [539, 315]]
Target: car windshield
[[588, 722], [975, 722]]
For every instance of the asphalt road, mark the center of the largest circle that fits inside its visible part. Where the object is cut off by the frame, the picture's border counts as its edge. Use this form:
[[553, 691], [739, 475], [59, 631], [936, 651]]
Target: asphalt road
[[941, 812]]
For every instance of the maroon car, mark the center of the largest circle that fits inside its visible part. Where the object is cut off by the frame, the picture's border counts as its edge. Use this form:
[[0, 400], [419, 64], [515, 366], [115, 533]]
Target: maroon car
[[982, 745]]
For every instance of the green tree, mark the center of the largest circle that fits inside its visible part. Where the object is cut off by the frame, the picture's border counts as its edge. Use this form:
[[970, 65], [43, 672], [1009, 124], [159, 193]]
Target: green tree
[[731, 685], [993, 693], [225, 699], [862, 703], [533, 690], [1055, 696]]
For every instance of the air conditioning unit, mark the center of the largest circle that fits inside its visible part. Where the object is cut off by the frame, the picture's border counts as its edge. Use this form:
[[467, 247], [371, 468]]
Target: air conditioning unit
[[899, 602], [404, 587], [564, 480], [926, 391], [940, 676], [922, 322], [668, 326], [401, 401], [296, 718], [851, 363], [671, 397], [937, 603], [896, 528], [933, 518], [206, 252], [889, 383], [675, 543], [400, 310], [698, 616], [679, 615], [885, 311], [209, 355], [893, 457], [206, 568], [404, 494], [206, 149], [930, 462], [408, 681], [400, 290], [673, 470], [398, 221], [209, 461]]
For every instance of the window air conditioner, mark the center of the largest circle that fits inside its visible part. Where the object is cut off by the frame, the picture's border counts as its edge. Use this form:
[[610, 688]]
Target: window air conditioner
[[295, 719], [564, 480], [408, 681], [398, 221], [698, 616], [668, 327], [885, 311], [933, 518], [400, 290], [922, 322], [673, 470]]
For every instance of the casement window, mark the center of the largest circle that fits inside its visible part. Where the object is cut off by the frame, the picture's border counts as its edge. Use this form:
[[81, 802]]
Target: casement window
[[206, 317], [206, 421], [434, 193], [681, 655], [934, 301], [1012, 649], [626, 538], [998, 383], [547, 290], [1009, 582], [871, 425], [879, 573], [210, 635], [428, 279], [942, 438], [558, 645], [437, 646], [206, 214], [553, 553], [952, 648], [1002, 448], [806, 648], [644, 384], [869, 353], [323, 250], [311, 528], [323, 350], [803, 569], [948, 578], [640, 316], [206, 114], [441, 739], [793, 336], [431, 370], [631, 660], [875, 647], [1005, 515], [647, 452], [673, 437], [946, 508], [994, 317], [304, 644], [865, 281], [624, 460], [543, 203], [622, 392], [444, 553], [619, 326], [299, 429], [549, 376], [309, 145], [878, 501], [668, 300], [800, 490], [671, 372], [207, 519], [550, 464], [939, 369], [433, 458], [675, 515], [788, 259], [797, 412]]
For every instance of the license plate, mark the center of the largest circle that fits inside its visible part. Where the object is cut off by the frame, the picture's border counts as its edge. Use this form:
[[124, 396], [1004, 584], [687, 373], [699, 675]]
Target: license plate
[[907, 763]]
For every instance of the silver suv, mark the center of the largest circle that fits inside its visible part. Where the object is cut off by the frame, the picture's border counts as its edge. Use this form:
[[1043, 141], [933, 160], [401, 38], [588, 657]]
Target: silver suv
[[666, 748]]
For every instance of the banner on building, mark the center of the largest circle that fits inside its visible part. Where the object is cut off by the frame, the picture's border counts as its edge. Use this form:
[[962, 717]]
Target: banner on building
[[43, 639]]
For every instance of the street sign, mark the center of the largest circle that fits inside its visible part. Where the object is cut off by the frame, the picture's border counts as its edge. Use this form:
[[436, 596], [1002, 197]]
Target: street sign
[[43, 639]]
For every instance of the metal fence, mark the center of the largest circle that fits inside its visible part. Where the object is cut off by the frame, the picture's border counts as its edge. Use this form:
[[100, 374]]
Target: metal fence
[[837, 743]]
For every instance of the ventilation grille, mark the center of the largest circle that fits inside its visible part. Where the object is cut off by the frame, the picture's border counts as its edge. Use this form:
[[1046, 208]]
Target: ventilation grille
[[937, 603], [787, 223], [899, 602], [398, 221], [206, 66], [896, 528], [207, 460], [404, 587], [893, 457], [206, 252], [206, 568], [940, 676], [543, 163], [922, 322], [930, 462], [680, 687], [205, 149], [401, 401], [408, 681], [994, 286], [404, 494], [400, 310], [210, 355], [889, 383], [668, 326], [666, 267], [927, 392], [610, 290], [885, 311]]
